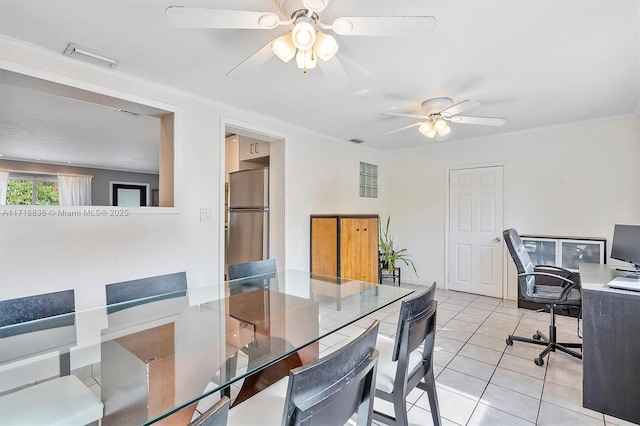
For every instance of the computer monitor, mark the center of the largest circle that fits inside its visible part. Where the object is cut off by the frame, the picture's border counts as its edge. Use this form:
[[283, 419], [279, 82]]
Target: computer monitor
[[626, 244]]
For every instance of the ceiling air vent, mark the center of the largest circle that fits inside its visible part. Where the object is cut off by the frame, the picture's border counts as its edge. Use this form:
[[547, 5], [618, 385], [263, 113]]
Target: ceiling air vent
[[124, 111], [356, 140]]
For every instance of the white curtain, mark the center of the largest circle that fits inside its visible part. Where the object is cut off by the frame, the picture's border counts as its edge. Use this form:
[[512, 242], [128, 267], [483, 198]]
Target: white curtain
[[4, 182], [75, 190]]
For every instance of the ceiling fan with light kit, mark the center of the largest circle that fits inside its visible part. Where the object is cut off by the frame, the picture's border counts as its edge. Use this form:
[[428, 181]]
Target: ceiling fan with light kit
[[439, 111], [308, 39]]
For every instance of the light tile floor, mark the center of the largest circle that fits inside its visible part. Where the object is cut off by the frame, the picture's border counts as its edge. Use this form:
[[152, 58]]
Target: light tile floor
[[482, 381]]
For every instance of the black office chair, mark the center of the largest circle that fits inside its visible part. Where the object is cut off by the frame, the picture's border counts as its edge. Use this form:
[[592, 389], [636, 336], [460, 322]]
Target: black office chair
[[563, 296], [407, 362], [214, 416], [328, 391]]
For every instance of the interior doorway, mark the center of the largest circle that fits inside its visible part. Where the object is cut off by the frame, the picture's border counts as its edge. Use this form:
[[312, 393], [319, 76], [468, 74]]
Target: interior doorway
[[476, 216], [250, 156]]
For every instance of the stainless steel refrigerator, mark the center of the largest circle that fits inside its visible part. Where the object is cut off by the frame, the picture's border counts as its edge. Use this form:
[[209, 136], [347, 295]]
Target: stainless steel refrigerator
[[248, 232]]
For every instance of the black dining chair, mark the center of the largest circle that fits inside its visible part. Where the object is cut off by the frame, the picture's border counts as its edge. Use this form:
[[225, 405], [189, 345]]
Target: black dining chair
[[328, 391], [126, 294], [39, 324], [243, 278], [406, 362], [250, 269], [214, 416], [566, 294]]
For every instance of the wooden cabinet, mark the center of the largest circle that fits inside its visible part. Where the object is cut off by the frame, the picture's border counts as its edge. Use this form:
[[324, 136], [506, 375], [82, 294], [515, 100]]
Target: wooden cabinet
[[250, 148], [345, 246], [232, 159]]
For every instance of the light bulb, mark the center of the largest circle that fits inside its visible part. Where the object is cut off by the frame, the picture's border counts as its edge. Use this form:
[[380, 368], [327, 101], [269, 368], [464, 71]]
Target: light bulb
[[427, 129], [303, 33], [326, 46], [306, 59], [283, 47], [440, 124]]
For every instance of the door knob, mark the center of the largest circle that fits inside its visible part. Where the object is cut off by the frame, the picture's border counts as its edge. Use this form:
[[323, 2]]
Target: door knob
[[497, 240]]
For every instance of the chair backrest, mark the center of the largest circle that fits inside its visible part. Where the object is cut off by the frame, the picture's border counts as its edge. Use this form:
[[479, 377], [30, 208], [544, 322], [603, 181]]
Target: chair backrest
[[250, 269], [28, 309], [329, 391], [522, 260], [214, 416], [412, 308], [50, 316], [249, 276], [145, 290]]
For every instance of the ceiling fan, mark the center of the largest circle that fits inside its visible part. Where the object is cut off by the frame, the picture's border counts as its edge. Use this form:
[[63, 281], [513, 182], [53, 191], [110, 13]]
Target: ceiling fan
[[438, 111], [304, 40]]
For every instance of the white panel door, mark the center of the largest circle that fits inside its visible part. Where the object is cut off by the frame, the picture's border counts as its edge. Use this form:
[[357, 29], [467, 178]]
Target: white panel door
[[475, 230]]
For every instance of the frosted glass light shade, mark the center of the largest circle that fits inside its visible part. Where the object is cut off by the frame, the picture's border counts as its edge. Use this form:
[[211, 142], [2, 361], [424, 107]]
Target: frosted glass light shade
[[326, 46], [283, 47], [304, 35], [427, 129], [306, 59], [444, 131], [440, 124]]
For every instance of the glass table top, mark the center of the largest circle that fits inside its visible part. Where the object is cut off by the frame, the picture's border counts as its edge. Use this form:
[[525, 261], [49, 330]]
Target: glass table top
[[161, 355]]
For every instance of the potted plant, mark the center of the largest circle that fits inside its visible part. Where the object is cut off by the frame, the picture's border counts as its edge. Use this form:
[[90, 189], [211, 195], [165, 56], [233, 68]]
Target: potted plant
[[391, 254]]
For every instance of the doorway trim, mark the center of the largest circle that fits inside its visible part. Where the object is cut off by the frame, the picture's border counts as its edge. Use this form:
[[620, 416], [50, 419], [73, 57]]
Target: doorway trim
[[447, 240], [277, 188]]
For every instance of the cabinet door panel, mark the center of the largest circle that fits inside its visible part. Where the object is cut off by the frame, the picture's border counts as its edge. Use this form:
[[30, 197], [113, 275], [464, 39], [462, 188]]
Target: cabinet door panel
[[359, 249], [350, 256], [369, 249], [324, 246], [252, 148]]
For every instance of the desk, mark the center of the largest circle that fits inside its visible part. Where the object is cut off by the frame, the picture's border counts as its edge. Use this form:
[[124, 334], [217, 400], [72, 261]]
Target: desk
[[611, 344], [158, 357]]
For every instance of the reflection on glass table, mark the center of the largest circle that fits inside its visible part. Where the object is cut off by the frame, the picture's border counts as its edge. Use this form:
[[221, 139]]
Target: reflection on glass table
[[156, 359]]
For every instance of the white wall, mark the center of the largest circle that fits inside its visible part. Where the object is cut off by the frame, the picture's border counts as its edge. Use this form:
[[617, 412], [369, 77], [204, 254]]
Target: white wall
[[323, 178], [44, 254], [576, 180], [572, 180]]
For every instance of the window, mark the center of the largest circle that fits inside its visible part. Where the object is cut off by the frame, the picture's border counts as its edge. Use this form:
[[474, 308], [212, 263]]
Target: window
[[368, 180], [34, 190]]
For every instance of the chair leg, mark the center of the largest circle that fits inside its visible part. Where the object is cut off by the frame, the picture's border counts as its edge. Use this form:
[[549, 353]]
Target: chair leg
[[400, 409], [430, 387]]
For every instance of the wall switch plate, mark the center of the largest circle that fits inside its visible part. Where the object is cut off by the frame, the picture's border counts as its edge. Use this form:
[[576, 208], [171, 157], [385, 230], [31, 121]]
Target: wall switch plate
[[206, 215]]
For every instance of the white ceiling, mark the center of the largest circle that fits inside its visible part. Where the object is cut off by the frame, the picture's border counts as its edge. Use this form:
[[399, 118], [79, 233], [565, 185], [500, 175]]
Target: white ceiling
[[536, 63], [46, 122]]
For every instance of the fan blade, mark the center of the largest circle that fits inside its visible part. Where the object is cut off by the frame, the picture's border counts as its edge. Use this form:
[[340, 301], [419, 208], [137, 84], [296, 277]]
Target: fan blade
[[199, 17], [404, 128], [459, 107], [399, 114], [252, 62], [335, 72], [386, 26], [483, 121]]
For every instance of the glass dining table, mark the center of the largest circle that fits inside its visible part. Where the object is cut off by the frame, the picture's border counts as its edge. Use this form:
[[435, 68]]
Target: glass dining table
[[157, 358]]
